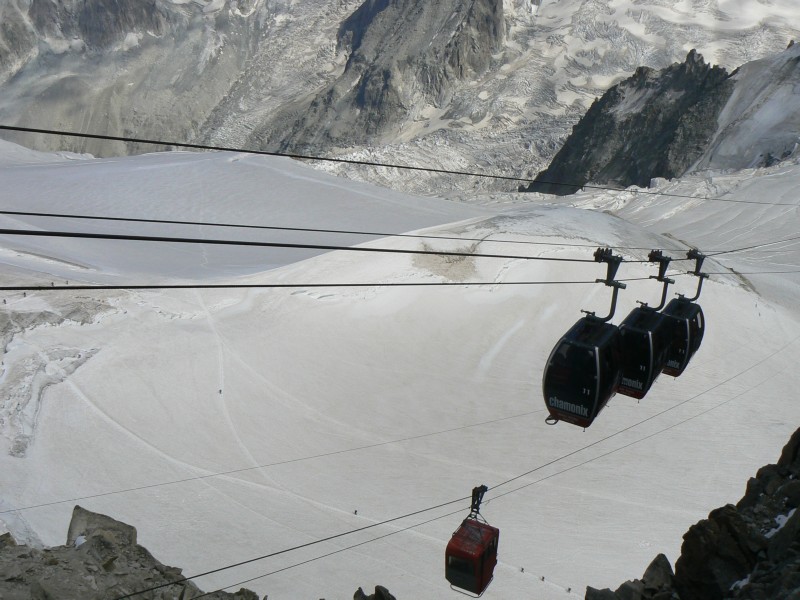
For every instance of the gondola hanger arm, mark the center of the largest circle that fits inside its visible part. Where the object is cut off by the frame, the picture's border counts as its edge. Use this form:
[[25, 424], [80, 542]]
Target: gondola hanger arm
[[477, 498], [613, 261], [698, 257], [656, 256]]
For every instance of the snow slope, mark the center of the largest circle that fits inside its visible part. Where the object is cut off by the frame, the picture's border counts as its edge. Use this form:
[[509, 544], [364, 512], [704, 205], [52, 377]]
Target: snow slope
[[359, 405]]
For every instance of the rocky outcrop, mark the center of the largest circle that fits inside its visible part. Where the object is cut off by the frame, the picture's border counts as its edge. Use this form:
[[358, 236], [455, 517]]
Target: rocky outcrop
[[100, 560], [748, 551], [402, 56], [381, 593], [653, 124]]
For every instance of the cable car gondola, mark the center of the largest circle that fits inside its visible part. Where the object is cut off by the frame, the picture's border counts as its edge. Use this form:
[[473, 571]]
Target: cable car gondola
[[686, 320], [584, 369], [471, 553], [646, 339], [687, 323]]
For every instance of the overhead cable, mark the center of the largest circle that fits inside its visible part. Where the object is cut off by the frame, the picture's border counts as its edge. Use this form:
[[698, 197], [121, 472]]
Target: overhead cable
[[310, 230], [344, 549], [753, 247], [299, 547], [708, 253], [209, 241], [272, 464], [228, 286], [164, 143], [131, 140]]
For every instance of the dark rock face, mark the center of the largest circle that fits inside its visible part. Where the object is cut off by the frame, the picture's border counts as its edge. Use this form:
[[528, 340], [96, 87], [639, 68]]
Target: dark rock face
[[654, 124], [100, 560], [716, 553], [656, 584], [748, 551], [381, 593], [401, 54]]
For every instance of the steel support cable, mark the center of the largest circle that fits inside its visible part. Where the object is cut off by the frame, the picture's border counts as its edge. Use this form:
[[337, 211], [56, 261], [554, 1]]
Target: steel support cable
[[708, 253], [212, 286], [340, 550], [734, 272], [114, 138], [753, 247], [273, 464], [625, 446], [299, 564], [351, 232], [219, 242], [250, 243], [132, 140], [303, 229], [292, 549]]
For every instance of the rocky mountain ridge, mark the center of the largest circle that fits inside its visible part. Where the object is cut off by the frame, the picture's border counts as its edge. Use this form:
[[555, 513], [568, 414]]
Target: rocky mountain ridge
[[653, 124], [690, 116]]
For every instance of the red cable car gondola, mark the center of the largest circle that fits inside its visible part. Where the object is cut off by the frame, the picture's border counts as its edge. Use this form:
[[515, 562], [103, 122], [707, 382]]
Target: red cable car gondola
[[471, 553]]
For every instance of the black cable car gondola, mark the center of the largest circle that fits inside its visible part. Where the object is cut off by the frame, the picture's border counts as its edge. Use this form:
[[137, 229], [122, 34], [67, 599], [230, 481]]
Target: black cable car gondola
[[687, 323], [583, 370], [471, 553], [646, 339]]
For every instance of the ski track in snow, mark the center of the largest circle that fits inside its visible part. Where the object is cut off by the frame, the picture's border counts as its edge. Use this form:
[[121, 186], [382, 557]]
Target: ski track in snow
[[222, 403]]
